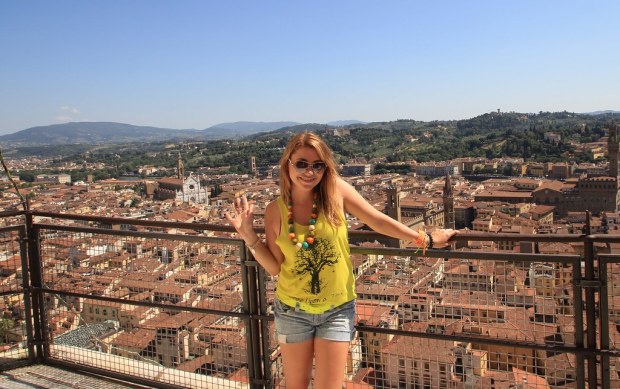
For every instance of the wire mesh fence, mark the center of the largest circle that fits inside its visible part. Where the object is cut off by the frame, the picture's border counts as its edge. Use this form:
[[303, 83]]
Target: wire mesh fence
[[443, 322], [176, 309], [610, 319], [157, 306], [13, 308]]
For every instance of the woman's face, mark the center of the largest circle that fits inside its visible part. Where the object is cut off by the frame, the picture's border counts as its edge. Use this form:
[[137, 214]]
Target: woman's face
[[310, 176]]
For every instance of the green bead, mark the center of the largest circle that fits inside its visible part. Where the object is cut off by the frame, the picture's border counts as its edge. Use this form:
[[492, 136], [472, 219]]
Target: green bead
[[312, 221]]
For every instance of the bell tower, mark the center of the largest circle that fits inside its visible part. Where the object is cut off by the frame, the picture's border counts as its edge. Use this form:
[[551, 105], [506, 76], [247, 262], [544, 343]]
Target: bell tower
[[393, 202], [180, 168], [448, 203], [613, 147], [393, 210]]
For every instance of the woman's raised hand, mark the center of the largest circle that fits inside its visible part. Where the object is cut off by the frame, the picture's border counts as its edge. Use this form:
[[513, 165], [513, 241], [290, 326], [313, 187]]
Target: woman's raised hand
[[241, 216]]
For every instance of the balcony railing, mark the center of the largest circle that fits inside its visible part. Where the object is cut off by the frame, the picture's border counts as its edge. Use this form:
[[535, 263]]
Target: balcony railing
[[185, 305]]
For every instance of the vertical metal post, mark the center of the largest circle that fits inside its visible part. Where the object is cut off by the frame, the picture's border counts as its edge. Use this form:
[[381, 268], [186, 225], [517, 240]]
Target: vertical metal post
[[36, 282], [262, 294], [579, 343], [604, 312], [250, 287], [27, 292], [588, 254]]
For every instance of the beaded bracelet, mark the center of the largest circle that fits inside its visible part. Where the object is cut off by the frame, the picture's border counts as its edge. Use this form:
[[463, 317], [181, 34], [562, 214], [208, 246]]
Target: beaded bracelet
[[430, 240], [251, 246]]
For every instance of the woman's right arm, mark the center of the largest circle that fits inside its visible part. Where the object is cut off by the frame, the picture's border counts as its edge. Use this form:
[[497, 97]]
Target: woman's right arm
[[268, 254]]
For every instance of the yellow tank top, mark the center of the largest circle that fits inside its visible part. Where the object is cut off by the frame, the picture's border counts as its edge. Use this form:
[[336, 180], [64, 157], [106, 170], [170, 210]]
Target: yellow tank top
[[320, 277]]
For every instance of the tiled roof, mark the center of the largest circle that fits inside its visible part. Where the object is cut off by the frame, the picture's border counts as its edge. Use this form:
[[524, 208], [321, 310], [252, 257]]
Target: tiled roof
[[83, 335]]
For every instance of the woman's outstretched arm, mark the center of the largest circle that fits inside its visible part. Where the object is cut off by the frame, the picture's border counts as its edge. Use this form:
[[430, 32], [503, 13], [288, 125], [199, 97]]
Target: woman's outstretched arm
[[356, 205]]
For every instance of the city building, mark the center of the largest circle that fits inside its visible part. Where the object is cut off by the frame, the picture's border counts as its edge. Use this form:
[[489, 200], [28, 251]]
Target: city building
[[182, 188], [55, 178], [356, 169]]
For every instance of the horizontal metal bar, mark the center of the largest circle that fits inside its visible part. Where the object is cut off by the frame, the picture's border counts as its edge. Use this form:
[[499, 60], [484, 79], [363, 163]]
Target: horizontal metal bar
[[474, 339], [609, 258], [591, 283], [143, 303], [137, 222], [462, 236], [465, 235], [11, 292], [140, 234], [11, 228], [497, 256], [4, 214]]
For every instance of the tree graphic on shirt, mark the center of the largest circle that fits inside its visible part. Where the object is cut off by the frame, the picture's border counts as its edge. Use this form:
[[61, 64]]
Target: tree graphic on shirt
[[313, 260]]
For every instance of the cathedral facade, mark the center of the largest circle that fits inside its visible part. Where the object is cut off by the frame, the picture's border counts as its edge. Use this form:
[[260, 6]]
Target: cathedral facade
[[182, 188]]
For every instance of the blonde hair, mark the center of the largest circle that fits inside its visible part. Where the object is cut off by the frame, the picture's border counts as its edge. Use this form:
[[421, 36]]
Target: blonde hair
[[326, 189]]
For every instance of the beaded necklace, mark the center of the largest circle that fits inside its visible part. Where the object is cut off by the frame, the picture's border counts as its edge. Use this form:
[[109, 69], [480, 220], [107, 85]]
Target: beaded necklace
[[311, 225]]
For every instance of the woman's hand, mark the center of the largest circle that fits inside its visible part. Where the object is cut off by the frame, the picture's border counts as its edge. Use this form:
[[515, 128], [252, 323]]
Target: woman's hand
[[241, 216], [442, 236]]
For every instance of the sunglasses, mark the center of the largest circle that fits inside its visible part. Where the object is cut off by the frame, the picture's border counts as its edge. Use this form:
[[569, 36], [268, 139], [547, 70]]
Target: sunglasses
[[303, 166]]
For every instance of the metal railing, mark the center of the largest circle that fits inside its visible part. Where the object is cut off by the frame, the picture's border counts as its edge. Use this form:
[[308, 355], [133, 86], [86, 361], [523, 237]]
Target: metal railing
[[185, 305]]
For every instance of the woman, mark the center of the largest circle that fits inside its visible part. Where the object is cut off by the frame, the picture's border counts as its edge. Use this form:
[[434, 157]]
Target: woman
[[307, 246]]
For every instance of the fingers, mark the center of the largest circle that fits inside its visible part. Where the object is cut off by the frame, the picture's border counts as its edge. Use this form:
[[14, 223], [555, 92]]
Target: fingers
[[247, 206], [441, 237], [449, 233], [241, 204], [229, 217], [237, 206], [234, 212], [240, 208]]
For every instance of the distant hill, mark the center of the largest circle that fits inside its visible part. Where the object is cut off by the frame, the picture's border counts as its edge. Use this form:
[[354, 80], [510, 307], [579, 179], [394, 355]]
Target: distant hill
[[247, 128], [284, 131], [117, 133], [102, 133], [93, 133], [342, 123], [97, 133], [490, 135], [607, 112]]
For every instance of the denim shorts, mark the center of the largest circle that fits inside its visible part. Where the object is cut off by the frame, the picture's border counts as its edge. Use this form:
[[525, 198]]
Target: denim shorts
[[294, 325]]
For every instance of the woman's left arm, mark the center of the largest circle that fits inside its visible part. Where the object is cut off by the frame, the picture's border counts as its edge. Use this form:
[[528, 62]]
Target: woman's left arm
[[356, 205]]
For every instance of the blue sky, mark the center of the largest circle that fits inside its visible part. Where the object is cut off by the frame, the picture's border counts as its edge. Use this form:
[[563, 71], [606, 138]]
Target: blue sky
[[193, 64]]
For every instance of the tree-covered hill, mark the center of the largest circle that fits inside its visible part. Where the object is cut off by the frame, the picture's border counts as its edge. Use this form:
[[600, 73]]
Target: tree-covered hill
[[490, 135]]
